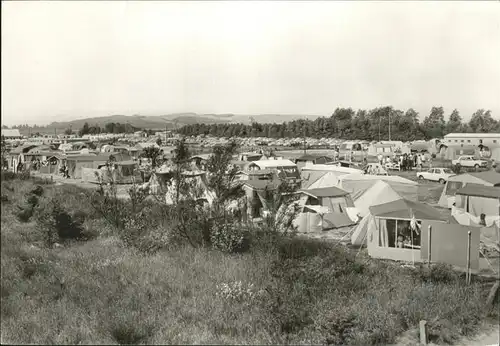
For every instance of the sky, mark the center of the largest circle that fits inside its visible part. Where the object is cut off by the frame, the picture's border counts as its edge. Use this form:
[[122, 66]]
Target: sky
[[70, 60]]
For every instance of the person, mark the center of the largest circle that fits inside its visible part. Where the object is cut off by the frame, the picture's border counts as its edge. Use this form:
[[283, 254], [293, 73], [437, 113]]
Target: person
[[400, 242], [380, 158], [482, 220]]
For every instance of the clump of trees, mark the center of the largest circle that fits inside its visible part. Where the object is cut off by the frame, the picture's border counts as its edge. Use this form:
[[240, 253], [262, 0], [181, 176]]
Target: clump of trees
[[108, 128], [370, 125]]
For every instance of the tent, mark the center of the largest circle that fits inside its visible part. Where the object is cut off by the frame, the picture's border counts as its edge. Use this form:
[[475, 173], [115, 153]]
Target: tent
[[257, 194], [199, 188], [454, 183], [309, 177], [495, 154], [449, 245], [331, 168], [386, 229], [474, 200], [380, 192], [309, 159], [357, 184], [325, 208], [326, 180]]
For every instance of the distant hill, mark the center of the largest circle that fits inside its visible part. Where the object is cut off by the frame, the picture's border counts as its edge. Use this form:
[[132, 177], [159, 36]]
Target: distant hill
[[169, 121]]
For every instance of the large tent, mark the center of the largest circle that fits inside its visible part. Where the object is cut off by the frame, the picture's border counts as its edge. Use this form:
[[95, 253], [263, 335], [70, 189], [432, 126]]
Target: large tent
[[386, 229], [454, 183], [199, 190], [326, 180], [324, 208], [357, 184], [474, 200], [309, 177], [378, 193]]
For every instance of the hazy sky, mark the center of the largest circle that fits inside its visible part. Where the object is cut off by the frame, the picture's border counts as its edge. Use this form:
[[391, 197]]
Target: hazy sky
[[67, 60]]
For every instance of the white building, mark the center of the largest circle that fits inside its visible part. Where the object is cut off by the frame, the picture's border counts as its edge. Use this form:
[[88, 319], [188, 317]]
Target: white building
[[491, 140], [11, 134]]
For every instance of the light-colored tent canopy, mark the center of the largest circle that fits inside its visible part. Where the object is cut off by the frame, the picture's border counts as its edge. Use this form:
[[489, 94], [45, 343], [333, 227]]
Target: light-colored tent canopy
[[357, 184], [405, 209], [480, 191], [456, 182], [380, 192], [326, 180], [325, 192], [331, 168]]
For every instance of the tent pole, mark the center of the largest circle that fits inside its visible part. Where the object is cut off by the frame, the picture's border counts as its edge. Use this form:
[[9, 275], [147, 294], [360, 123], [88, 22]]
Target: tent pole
[[467, 277], [412, 253], [429, 246]]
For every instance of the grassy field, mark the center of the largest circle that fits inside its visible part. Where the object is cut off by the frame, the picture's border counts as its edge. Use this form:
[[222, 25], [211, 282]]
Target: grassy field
[[102, 291]]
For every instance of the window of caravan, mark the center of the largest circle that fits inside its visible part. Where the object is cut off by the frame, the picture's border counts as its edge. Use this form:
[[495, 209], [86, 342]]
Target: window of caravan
[[452, 187], [387, 149]]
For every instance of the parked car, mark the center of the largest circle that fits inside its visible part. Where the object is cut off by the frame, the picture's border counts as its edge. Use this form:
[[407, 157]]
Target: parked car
[[436, 174], [469, 161]]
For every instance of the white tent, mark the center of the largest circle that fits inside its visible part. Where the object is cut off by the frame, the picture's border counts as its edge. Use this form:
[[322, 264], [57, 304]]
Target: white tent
[[199, 189], [456, 182], [327, 180], [379, 193], [332, 168], [357, 184]]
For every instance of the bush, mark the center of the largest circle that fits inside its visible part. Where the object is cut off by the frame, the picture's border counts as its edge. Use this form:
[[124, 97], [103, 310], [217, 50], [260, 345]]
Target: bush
[[229, 238], [57, 224], [437, 273], [26, 210]]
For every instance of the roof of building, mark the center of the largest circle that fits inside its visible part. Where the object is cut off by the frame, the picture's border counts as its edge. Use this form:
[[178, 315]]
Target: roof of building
[[11, 133], [473, 135], [311, 157], [331, 191], [479, 191], [403, 209], [274, 163], [87, 158]]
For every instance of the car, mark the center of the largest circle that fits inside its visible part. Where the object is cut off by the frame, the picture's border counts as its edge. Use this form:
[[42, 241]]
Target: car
[[470, 161], [436, 174]]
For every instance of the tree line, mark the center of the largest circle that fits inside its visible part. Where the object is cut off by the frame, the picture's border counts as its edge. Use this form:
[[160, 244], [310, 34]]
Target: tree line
[[108, 128], [346, 123]]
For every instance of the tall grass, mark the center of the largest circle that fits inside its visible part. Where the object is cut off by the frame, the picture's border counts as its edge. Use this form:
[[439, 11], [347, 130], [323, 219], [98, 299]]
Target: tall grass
[[102, 291]]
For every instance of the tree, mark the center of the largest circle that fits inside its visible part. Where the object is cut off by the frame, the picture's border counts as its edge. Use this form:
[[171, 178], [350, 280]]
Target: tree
[[482, 121], [153, 154], [454, 124], [434, 124], [158, 142], [84, 130], [68, 131], [4, 151]]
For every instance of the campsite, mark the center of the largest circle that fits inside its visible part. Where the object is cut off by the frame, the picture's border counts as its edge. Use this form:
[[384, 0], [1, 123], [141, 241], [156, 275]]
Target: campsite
[[352, 231], [250, 173]]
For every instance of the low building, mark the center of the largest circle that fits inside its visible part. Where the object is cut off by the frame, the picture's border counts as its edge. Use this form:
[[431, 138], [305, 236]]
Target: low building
[[11, 134]]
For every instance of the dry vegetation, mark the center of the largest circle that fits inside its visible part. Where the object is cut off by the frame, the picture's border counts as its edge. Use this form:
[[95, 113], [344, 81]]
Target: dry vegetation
[[96, 289]]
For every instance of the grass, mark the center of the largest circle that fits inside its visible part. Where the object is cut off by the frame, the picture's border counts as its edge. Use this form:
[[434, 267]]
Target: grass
[[304, 292]]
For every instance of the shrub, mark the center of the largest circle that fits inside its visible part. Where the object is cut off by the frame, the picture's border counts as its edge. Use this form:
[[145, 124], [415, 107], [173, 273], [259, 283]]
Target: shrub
[[437, 273], [229, 238], [58, 224], [336, 329]]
